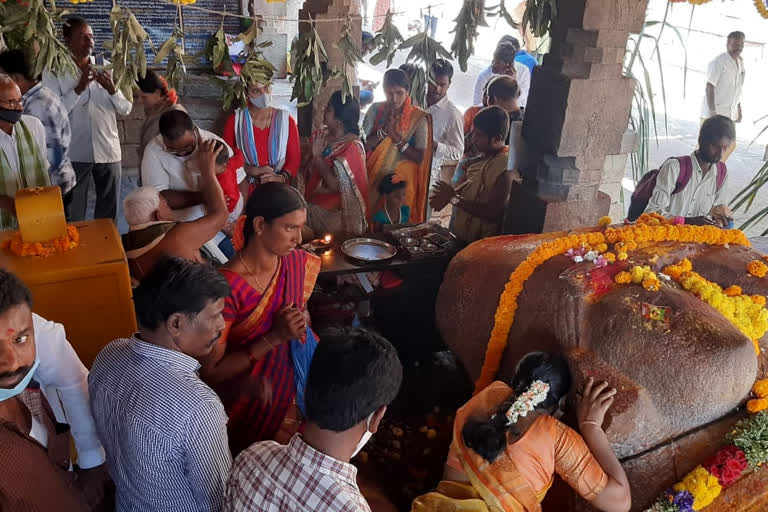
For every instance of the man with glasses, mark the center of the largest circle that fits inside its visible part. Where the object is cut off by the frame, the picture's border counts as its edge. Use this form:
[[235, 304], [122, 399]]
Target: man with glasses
[[23, 161], [167, 165]]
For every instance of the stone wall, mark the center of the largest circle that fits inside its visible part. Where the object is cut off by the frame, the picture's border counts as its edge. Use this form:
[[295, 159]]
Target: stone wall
[[281, 33]]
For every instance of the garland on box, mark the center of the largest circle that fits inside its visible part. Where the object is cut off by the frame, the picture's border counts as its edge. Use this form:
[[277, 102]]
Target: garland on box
[[64, 243]]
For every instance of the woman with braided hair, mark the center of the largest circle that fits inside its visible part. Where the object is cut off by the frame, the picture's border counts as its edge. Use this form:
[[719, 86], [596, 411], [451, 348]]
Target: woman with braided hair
[[158, 99], [508, 444]]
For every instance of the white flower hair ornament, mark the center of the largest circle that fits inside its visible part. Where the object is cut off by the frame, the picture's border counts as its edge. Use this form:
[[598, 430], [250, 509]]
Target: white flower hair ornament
[[527, 401]]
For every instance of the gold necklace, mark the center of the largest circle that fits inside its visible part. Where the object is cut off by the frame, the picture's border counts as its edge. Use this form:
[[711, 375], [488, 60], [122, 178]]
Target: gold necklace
[[251, 272]]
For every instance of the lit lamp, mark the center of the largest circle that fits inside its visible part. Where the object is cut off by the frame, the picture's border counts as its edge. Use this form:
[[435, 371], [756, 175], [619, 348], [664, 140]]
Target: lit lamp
[[322, 245]]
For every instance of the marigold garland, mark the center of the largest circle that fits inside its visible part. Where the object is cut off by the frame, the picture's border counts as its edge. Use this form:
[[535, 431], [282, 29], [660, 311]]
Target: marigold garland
[[43, 249], [757, 268], [746, 315], [762, 9], [761, 388], [630, 236]]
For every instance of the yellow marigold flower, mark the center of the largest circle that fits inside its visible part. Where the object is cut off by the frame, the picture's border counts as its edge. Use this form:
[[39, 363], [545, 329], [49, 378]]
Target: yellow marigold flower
[[609, 257], [601, 247], [702, 485], [623, 278], [761, 388], [758, 299], [651, 284], [622, 256], [604, 222], [637, 274], [757, 268], [756, 405], [733, 291]]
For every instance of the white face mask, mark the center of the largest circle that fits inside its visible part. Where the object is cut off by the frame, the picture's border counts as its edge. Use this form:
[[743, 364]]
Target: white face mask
[[261, 101], [8, 393], [366, 437]]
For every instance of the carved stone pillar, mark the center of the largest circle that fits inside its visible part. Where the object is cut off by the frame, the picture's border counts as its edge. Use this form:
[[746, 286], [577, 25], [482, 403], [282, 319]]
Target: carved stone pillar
[[576, 118]]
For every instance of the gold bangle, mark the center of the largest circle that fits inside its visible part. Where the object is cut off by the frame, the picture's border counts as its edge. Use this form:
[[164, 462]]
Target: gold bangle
[[589, 422]]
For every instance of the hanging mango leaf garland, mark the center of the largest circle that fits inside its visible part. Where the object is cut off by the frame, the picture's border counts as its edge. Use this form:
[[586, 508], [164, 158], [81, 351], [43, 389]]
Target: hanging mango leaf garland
[[386, 41], [539, 16], [31, 27], [501, 11], [129, 60], [424, 51], [352, 56], [308, 56], [175, 67], [471, 16], [255, 69]]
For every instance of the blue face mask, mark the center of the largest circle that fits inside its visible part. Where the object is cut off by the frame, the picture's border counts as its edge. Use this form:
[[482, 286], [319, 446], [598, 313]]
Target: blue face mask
[[6, 394]]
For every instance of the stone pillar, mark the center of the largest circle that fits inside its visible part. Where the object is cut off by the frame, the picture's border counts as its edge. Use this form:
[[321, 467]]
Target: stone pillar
[[576, 118], [281, 33], [310, 118]]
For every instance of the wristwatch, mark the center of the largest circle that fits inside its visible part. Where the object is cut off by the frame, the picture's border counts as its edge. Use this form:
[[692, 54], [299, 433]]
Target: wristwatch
[[455, 200]]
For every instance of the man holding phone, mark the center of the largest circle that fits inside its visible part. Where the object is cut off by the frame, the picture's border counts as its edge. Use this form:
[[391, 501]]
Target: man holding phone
[[93, 104]]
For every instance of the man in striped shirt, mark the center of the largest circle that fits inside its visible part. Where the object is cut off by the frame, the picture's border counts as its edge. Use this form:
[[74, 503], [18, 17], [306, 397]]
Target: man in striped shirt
[[354, 375], [163, 429]]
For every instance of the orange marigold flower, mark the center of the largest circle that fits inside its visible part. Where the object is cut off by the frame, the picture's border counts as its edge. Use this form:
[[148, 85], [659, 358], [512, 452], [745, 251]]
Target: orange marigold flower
[[761, 388], [757, 268], [733, 291], [651, 284], [622, 256], [756, 405], [623, 278], [609, 257], [601, 247], [604, 222]]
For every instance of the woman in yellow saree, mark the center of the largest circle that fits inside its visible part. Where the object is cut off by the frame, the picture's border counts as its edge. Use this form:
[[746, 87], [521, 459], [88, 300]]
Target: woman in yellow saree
[[398, 139], [507, 446]]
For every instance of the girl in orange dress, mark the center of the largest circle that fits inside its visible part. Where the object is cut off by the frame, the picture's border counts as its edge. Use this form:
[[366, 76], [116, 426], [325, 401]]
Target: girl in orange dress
[[507, 446]]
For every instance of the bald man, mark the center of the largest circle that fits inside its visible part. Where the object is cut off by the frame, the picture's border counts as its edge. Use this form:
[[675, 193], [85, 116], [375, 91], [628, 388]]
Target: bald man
[[23, 161]]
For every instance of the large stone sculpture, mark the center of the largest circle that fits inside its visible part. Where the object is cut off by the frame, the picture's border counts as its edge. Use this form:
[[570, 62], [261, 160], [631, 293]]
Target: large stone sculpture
[[673, 374]]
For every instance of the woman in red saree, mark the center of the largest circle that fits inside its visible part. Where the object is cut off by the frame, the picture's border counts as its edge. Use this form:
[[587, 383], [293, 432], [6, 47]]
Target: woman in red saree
[[337, 184], [398, 139], [507, 446], [253, 368]]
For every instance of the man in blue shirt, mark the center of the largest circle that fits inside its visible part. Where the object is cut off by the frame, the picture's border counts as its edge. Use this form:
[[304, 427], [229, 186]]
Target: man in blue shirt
[[164, 430]]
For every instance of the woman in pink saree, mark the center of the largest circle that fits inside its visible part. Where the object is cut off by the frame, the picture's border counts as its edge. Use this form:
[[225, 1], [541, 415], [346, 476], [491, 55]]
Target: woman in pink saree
[[507, 446], [259, 366]]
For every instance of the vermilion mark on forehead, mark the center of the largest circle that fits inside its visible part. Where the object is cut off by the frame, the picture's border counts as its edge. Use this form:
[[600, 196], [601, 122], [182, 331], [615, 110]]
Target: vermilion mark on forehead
[[10, 331]]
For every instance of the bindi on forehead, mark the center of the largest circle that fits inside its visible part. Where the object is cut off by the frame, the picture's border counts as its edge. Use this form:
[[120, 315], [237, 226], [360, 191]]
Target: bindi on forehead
[[10, 332]]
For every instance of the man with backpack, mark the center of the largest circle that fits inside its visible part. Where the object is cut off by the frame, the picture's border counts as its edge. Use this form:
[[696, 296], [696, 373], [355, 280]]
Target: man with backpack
[[691, 186]]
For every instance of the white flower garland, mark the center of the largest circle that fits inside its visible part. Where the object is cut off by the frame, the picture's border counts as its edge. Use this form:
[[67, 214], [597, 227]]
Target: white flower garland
[[527, 401]]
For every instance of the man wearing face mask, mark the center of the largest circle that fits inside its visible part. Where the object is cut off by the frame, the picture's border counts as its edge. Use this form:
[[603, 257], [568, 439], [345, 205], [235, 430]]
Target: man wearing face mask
[[355, 375], [23, 162], [164, 430], [34, 447]]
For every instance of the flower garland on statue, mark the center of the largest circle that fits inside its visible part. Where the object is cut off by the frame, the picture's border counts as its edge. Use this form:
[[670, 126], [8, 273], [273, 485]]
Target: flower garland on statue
[[647, 228], [57, 245]]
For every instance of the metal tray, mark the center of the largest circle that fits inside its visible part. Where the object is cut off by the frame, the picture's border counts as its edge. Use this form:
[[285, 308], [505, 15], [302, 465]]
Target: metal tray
[[368, 250]]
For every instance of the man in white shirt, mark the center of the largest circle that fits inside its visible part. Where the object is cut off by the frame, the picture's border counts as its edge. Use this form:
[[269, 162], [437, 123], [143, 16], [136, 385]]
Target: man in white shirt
[[33, 348], [447, 121], [704, 193], [169, 166], [504, 63], [725, 80], [92, 102], [23, 161]]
